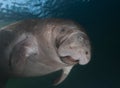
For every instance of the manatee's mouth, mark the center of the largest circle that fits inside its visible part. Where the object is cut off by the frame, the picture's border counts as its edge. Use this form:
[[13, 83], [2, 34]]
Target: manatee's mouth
[[69, 60]]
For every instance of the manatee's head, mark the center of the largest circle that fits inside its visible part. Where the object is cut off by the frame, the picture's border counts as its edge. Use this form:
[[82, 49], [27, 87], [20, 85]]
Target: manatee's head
[[75, 48]]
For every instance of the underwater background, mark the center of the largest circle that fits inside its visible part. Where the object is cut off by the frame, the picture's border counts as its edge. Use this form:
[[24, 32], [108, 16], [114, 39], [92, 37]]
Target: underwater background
[[101, 20]]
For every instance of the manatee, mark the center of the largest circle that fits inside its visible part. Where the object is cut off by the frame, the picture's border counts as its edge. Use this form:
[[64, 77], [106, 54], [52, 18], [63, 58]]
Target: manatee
[[37, 47]]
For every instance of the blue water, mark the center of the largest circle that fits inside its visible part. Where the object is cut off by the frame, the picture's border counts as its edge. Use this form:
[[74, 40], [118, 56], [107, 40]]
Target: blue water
[[101, 20]]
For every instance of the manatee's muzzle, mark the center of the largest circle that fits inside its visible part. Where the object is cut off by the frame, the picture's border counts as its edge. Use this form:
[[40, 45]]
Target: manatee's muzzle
[[84, 61], [75, 49], [71, 61]]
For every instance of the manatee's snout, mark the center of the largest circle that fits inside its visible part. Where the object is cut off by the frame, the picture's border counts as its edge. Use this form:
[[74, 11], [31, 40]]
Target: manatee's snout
[[72, 60], [75, 49]]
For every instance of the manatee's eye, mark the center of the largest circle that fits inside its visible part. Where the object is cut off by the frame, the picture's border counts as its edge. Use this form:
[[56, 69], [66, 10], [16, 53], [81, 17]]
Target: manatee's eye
[[79, 37], [63, 30]]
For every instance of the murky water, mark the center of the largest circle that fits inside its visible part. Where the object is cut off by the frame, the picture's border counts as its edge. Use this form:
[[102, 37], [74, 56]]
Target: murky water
[[13, 10]]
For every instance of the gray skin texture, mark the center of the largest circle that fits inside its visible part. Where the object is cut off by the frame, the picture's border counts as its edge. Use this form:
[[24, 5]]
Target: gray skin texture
[[38, 47]]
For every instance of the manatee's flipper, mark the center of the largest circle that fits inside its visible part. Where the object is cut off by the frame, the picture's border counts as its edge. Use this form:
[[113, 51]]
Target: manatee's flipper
[[65, 73], [20, 53]]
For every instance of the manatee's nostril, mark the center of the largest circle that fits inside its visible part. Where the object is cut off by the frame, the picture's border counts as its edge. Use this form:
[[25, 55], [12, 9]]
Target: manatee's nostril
[[86, 52]]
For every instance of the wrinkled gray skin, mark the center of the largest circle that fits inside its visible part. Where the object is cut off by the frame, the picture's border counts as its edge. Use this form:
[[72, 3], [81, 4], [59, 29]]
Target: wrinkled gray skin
[[38, 47]]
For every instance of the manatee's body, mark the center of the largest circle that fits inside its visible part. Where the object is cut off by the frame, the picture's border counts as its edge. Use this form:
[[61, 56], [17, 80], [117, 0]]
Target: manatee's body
[[38, 47]]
